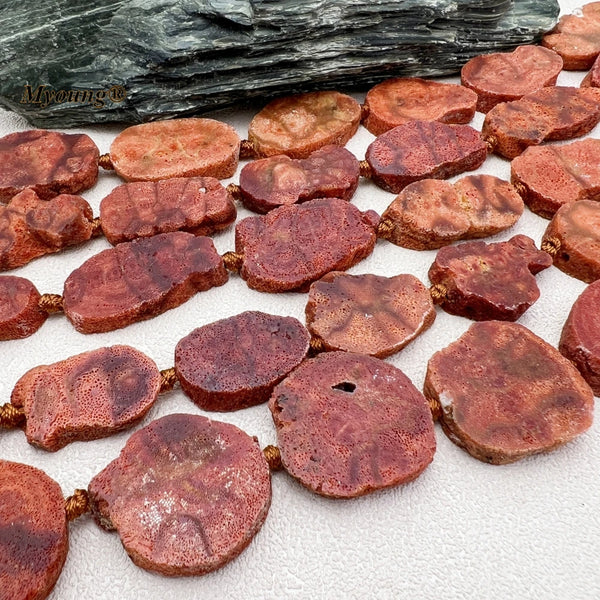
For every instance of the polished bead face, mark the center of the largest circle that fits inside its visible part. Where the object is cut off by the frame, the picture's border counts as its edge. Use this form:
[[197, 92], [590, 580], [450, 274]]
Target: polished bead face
[[31, 227], [506, 76], [367, 313], [349, 424], [236, 362], [574, 230], [550, 176], [299, 125], [186, 495], [140, 279], [48, 162], [505, 393], [423, 149], [552, 113], [20, 315], [200, 205], [397, 101], [577, 37], [330, 172], [489, 281], [431, 213], [33, 532], [85, 397], [293, 246], [580, 338], [177, 148]]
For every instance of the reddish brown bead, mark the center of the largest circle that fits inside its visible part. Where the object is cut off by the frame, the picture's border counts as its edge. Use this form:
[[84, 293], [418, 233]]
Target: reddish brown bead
[[576, 229], [429, 214], [489, 281], [48, 162], [176, 148], [186, 494], [506, 76], [551, 113], [140, 279], [506, 394], [86, 397], [299, 125], [295, 245], [577, 38], [236, 362], [367, 313], [421, 149], [20, 315], [200, 205], [592, 79], [397, 101], [31, 227], [33, 532], [349, 424], [550, 176], [330, 172], [580, 339]]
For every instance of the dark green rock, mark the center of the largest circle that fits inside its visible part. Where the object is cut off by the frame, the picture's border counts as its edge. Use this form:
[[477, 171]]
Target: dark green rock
[[182, 57]]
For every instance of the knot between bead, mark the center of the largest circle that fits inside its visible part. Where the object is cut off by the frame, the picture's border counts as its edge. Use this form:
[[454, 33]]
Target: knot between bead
[[233, 261], [273, 457], [97, 228], [247, 149], [51, 303], [438, 293], [551, 246], [168, 379], [385, 228], [105, 162], [11, 416], [76, 505], [235, 191], [435, 407], [316, 345], [364, 168], [491, 141]]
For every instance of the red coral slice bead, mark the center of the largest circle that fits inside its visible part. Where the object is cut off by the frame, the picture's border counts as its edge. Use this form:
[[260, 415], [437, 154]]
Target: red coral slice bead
[[31, 227], [577, 38], [505, 393], [489, 281], [186, 494], [298, 125], [423, 149], [33, 532], [575, 232], [236, 362], [86, 397], [200, 205], [429, 214], [367, 313], [397, 101], [330, 172], [550, 176], [506, 76], [551, 113], [176, 148], [592, 79], [292, 246], [140, 279], [580, 338], [20, 314], [349, 424], [48, 162]]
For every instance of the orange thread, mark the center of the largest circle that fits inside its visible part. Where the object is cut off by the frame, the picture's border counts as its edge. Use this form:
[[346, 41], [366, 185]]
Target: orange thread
[[11, 416], [438, 293], [365, 169], [247, 149], [105, 162], [233, 261], [273, 457], [168, 379], [51, 303], [76, 505]]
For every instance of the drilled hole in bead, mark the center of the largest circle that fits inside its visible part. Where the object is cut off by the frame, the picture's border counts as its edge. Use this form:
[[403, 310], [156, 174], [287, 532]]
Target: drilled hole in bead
[[344, 386], [565, 256]]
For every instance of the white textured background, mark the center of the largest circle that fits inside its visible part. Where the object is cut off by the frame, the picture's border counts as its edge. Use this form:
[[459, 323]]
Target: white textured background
[[463, 530]]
